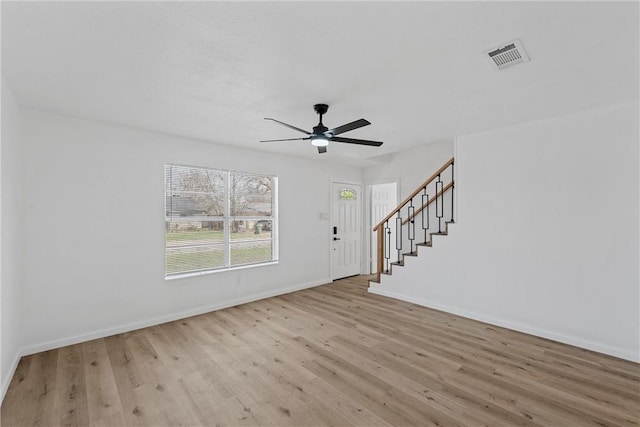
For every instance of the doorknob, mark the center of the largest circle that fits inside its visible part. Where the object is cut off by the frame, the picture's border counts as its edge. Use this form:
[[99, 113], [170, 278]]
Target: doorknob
[[336, 238]]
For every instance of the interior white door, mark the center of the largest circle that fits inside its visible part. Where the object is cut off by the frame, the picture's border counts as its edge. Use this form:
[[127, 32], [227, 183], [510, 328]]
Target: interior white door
[[384, 198], [346, 229]]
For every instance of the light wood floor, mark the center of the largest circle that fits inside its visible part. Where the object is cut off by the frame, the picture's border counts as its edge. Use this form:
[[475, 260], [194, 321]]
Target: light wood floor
[[332, 355]]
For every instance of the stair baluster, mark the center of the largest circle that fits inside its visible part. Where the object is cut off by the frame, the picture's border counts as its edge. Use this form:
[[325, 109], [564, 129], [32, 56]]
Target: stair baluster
[[411, 230], [399, 236], [452, 189], [425, 225], [440, 205], [387, 247]]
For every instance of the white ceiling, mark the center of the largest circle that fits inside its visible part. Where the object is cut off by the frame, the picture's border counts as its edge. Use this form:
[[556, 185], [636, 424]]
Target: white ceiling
[[213, 70]]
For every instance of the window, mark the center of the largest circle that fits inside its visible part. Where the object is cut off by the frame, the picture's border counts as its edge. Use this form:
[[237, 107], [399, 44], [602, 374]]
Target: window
[[217, 219], [347, 194]]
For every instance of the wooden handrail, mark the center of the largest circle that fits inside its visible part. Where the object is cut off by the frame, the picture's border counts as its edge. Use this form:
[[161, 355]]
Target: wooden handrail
[[433, 199], [419, 189]]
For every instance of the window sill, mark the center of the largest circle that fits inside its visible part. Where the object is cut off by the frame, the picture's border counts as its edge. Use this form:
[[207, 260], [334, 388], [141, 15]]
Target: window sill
[[219, 270]]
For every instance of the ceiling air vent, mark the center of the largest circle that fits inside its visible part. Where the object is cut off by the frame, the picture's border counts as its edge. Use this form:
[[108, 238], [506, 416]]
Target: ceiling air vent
[[507, 55]]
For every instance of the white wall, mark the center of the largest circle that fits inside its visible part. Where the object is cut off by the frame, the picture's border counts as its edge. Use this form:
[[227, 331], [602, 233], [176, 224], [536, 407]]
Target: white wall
[[94, 224], [11, 232], [547, 233]]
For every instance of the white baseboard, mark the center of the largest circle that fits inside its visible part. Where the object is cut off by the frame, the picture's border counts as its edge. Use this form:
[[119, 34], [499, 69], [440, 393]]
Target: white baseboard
[[7, 379], [554, 336], [164, 319]]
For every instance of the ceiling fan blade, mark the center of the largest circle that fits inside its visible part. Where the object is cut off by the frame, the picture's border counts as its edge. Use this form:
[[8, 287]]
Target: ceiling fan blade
[[356, 141], [322, 150], [288, 139], [289, 126], [349, 126]]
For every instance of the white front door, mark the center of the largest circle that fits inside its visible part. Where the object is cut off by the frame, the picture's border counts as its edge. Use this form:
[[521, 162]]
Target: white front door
[[384, 198], [346, 229]]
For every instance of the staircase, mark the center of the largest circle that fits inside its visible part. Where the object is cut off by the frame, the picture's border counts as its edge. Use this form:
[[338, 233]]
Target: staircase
[[425, 213]]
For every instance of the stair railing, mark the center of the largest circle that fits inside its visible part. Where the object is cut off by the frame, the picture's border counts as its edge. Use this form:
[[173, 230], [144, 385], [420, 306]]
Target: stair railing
[[428, 202]]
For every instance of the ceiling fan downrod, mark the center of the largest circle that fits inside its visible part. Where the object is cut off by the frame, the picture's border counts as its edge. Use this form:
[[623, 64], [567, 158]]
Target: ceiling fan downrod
[[321, 109]]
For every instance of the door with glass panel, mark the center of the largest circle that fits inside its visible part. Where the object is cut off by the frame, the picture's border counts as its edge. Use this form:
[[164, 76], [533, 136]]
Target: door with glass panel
[[346, 229]]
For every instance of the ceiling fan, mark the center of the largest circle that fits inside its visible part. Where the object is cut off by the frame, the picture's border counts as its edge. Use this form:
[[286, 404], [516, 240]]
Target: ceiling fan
[[321, 135]]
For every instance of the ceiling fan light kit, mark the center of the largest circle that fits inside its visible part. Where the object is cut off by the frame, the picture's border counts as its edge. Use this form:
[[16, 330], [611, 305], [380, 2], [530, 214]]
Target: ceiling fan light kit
[[321, 135], [320, 141]]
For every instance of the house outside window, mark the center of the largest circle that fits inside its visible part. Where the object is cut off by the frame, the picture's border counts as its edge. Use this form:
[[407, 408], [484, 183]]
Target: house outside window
[[218, 220]]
